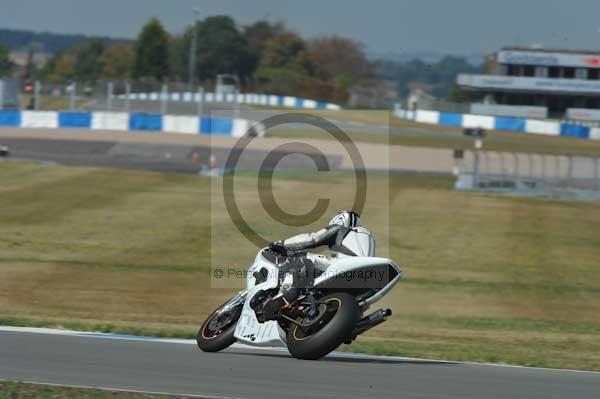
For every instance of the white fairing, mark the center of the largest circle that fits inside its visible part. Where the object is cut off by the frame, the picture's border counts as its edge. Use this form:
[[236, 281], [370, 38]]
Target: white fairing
[[360, 241], [248, 329]]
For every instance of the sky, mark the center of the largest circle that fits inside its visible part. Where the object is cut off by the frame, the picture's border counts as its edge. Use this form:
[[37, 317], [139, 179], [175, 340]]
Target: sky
[[384, 26]]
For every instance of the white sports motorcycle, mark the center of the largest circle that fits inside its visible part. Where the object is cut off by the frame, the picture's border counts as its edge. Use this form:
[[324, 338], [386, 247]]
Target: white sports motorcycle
[[329, 313]]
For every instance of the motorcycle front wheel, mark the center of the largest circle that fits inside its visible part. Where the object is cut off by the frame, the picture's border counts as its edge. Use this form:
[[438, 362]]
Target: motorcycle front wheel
[[216, 333], [337, 318]]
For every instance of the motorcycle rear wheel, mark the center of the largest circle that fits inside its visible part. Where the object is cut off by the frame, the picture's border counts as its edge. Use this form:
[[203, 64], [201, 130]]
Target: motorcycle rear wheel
[[336, 326]]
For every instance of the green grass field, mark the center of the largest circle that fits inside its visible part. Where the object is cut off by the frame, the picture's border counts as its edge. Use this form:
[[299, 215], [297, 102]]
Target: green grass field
[[488, 278]]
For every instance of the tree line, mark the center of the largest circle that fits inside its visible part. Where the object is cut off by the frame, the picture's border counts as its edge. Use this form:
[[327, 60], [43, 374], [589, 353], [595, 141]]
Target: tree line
[[265, 56], [46, 42]]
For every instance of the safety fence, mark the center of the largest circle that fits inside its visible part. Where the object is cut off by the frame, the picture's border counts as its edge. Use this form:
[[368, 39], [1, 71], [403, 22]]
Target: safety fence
[[231, 98], [560, 176], [149, 97], [535, 126], [122, 121]]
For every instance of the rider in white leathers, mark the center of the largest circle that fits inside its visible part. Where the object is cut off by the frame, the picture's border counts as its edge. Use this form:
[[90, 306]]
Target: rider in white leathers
[[339, 236]]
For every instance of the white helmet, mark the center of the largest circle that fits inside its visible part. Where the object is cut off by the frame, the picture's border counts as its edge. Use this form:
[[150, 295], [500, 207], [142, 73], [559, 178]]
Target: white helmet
[[348, 219]]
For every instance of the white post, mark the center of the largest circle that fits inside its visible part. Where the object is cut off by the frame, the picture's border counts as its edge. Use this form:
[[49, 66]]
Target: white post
[[596, 172], [72, 97], [127, 96], [2, 86], [200, 101], [163, 99], [235, 103], [37, 87], [109, 95]]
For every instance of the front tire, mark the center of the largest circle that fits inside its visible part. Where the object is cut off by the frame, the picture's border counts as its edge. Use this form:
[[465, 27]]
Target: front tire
[[313, 346], [216, 333]]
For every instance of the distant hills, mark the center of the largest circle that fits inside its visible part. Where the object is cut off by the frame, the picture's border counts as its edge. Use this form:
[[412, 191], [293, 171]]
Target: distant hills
[[45, 41], [473, 58]]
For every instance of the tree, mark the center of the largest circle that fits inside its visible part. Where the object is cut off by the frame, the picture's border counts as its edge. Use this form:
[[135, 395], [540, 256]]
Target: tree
[[178, 60], [30, 67], [221, 48], [287, 68], [59, 69], [117, 61], [458, 95], [260, 32], [88, 62], [283, 50], [5, 63], [340, 58], [151, 59]]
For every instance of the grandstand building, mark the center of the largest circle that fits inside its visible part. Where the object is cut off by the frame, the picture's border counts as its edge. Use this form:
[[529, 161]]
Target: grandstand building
[[539, 83]]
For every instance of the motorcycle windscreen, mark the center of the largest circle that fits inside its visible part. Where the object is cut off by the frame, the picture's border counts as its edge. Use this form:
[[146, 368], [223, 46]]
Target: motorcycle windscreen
[[360, 241]]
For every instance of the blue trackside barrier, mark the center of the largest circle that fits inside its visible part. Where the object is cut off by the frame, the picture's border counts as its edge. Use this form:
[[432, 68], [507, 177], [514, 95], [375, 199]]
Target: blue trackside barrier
[[141, 121], [321, 105], [568, 130], [450, 119], [120, 121], [75, 119], [216, 126], [10, 118], [536, 126], [299, 103], [511, 124]]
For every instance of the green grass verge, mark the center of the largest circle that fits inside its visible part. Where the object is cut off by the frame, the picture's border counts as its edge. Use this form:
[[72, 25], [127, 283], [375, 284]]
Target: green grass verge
[[505, 142], [22, 390]]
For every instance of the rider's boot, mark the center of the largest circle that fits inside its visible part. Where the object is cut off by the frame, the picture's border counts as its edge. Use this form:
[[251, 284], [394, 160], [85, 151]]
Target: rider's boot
[[271, 308]]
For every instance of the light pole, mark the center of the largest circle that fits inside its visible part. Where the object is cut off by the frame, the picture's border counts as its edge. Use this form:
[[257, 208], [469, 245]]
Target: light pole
[[193, 45]]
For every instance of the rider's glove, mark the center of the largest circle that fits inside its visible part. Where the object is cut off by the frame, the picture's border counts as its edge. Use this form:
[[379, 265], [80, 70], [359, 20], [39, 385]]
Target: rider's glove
[[278, 247]]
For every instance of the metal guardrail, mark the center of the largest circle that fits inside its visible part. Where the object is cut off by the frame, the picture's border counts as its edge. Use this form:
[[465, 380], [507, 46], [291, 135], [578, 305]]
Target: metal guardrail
[[560, 176]]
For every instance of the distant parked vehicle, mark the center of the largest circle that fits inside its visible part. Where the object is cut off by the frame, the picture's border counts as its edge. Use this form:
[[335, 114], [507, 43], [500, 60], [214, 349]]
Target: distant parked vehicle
[[4, 151]]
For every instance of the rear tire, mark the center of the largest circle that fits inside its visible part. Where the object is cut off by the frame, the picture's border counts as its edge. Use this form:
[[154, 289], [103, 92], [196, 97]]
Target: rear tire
[[210, 341], [329, 337]]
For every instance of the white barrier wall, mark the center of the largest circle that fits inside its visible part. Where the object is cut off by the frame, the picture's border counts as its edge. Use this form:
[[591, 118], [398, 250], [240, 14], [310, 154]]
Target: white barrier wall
[[46, 119], [427, 116], [478, 121], [110, 121], [181, 124], [534, 126], [241, 127], [289, 101], [542, 127], [310, 104]]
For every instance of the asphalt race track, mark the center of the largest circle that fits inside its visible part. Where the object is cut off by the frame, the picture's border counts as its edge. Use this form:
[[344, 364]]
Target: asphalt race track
[[157, 157], [178, 367]]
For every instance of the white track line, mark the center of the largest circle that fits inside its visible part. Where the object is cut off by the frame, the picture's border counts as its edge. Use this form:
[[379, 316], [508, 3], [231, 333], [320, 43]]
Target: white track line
[[347, 355]]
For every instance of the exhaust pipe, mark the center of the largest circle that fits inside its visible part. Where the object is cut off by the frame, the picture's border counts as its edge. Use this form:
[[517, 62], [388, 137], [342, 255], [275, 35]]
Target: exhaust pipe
[[370, 321]]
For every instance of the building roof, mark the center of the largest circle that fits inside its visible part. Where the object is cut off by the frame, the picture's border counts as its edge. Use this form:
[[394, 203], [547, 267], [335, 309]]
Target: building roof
[[550, 50]]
